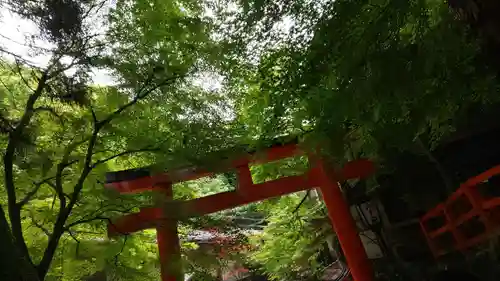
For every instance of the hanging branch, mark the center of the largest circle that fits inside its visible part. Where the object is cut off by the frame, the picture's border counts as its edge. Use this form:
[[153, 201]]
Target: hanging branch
[[39, 226], [32, 193], [64, 213], [19, 72], [301, 201], [121, 250], [99, 215], [82, 221], [128, 152], [76, 240], [52, 112], [142, 93], [15, 137]]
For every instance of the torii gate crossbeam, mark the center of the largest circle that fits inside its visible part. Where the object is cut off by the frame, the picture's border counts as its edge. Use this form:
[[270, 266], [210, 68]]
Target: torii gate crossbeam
[[164, 219]]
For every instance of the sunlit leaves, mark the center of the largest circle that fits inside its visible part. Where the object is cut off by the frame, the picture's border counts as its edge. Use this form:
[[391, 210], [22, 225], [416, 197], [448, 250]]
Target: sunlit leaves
[[374, 74], [296, 250], [370, 74]]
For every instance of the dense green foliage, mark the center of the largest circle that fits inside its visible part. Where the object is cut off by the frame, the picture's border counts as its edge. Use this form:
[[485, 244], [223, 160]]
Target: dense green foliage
[[194, 78]]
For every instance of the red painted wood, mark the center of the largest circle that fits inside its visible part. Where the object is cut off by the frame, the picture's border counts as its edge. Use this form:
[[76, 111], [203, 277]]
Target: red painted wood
[[168, 244], [343, 224], [192, 173], [360, 168], [483, 176], [133, 186], [168, 247], [231, 199], [149, 183], [429, 239], [276, 153], [481, 209], [145, 219], [210, 204], [491, 203], [244, 178], [164, 218], [459, 239], [439, 231], [436, 211]]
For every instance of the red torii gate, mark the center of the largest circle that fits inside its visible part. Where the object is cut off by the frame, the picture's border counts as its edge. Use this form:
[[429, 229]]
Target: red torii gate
[[164, 220]]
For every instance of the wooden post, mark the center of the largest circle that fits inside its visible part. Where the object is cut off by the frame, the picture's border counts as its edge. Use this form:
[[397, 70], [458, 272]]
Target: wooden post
[[168, 240], [343, 223]]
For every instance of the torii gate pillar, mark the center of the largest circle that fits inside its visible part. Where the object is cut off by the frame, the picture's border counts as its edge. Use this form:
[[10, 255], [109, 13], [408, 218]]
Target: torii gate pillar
[[319, 176], [168, 241], [343, 224]]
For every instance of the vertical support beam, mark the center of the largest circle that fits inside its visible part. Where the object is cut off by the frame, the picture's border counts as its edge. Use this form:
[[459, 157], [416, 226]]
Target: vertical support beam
[[168, 240], [343, 223], [454, 231], [244, 177]]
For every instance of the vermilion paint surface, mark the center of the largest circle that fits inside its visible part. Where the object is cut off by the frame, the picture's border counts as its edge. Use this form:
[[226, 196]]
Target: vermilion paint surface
[[164, 219]]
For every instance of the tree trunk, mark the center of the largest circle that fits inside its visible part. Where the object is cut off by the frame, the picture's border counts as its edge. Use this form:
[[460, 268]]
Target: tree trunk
[[13, 265], [44, 265]]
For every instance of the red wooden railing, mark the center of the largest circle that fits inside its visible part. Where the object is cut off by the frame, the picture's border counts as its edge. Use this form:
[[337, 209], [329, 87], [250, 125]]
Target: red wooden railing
[[468, 217]]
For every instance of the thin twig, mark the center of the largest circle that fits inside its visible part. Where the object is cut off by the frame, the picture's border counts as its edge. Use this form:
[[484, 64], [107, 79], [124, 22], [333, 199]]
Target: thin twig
[[16, 56], [87, 221], [7, 87], [98, 215], [51, 111], [99, 6], [39, 226], [32, 193], [301, 202], [102, 161], [94, 116], [140, 95], [121, 250], [18, 69], [76, 240], [53, 201], [58, 187], [58, 71]]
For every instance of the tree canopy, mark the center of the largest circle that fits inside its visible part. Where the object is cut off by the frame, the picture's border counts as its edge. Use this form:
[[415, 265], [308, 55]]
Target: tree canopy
[[192, 78]]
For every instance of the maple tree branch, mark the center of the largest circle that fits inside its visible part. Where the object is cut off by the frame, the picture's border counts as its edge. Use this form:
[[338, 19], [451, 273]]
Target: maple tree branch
[[39, 226], [98, 215], [51, 111], [58, 186], [121, 250], [94, 116], [6, 87], [301, 202], [102, 161], [18, 70], [94, 8], [140, 95], [76, 240], [32, 193], [18, 57], [15, 137], [64, 213], [82, 221], [53, 186]]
